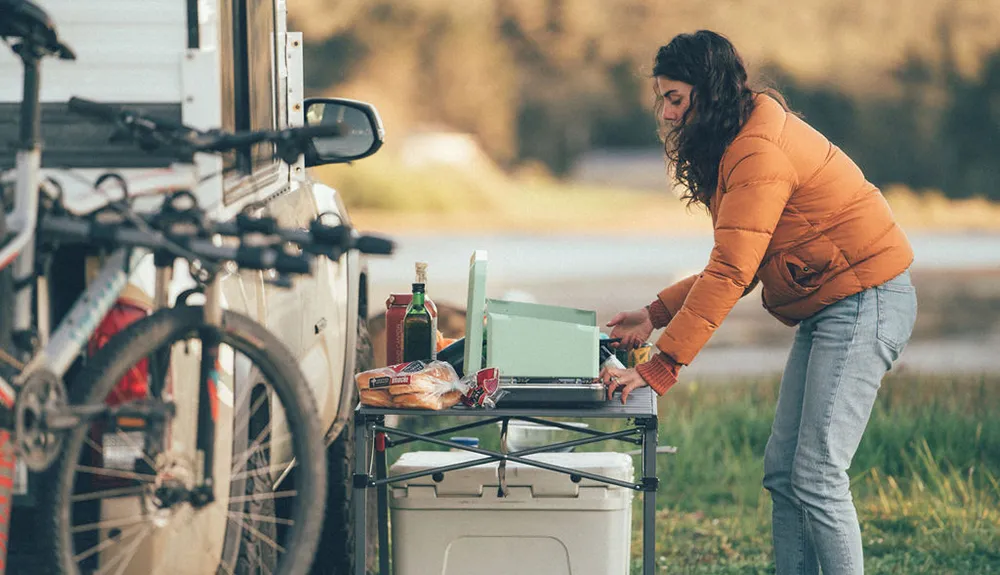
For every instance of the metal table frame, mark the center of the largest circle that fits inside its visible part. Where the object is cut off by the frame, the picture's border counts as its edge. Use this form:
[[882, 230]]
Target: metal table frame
[[372, 436]]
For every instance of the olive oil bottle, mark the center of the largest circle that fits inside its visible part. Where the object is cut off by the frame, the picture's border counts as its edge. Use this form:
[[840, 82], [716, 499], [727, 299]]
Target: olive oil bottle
[[419, 331]]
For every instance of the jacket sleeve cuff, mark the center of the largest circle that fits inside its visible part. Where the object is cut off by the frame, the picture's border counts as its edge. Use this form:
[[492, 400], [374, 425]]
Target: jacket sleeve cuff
[[660, 372], [658, 314]]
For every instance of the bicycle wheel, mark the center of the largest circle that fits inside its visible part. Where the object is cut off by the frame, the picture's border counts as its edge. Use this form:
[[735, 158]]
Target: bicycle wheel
[[125, 497]]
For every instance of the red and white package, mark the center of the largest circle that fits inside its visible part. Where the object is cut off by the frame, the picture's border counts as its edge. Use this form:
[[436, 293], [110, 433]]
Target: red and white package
[[483, 388]]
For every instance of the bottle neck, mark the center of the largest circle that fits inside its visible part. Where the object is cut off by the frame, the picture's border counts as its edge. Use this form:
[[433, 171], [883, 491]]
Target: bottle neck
[[418, 294]]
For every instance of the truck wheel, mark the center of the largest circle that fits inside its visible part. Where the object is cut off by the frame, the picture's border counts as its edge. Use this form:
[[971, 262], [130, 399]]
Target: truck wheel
[[255, 555], [336, 548]]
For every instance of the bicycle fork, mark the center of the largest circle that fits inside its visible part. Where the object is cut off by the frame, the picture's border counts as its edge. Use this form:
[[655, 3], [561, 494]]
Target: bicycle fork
[[208, 398], [208, 378]]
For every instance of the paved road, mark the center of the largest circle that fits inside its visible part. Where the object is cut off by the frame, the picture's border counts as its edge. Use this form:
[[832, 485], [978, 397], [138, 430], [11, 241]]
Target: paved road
[[530, 258]]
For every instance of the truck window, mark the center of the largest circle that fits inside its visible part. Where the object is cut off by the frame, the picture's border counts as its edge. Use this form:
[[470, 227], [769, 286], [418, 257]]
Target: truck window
[[247, 48]]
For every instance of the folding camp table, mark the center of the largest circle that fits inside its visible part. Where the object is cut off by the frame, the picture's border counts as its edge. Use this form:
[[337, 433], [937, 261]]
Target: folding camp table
[[373, 439]]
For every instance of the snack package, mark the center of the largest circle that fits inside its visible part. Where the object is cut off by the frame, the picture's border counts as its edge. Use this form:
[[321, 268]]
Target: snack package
[[483, 388], [417, 385]]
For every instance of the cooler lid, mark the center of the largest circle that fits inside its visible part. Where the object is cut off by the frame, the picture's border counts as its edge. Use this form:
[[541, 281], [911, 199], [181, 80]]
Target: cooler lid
[[475, 481], [476, 312]]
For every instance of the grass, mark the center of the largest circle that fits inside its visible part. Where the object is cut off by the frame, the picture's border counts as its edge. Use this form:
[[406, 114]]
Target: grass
[[383, 196], [924, 478]]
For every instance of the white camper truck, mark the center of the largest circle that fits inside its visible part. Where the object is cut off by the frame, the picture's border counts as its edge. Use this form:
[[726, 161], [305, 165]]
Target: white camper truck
[[207, 63]]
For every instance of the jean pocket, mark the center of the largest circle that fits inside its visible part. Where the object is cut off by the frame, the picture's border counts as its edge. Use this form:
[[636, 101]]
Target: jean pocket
[[897, 312], [900, 283]]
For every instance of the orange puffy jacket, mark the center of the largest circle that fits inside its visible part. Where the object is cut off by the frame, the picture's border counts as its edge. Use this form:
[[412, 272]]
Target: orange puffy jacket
[[794, 212]]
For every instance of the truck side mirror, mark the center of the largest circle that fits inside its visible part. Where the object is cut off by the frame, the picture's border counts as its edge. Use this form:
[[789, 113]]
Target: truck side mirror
[[362, 133]]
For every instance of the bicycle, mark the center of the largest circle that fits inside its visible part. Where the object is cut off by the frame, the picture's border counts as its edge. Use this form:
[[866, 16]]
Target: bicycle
[[127, 445]]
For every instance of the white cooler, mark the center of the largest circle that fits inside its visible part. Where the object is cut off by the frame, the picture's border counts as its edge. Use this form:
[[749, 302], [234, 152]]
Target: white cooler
[[547, 525]]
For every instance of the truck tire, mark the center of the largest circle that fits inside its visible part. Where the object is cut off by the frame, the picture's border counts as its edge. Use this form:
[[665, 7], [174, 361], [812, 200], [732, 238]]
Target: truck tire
[[255, 556], [336, 547]]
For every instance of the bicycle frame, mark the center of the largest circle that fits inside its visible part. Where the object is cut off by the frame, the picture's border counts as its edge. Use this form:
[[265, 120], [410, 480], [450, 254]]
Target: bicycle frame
[[73, 332], [21, 249], [22, 219]]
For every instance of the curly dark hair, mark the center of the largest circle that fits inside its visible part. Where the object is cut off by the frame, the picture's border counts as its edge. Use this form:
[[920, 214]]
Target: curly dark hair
[[721, 102]]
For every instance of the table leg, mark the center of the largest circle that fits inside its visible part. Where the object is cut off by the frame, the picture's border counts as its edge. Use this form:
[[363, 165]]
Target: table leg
[[361, 443], [649, 499], [381, 472]]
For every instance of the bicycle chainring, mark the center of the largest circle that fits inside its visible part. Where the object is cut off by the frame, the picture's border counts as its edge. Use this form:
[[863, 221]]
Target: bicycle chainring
[[43, 392]]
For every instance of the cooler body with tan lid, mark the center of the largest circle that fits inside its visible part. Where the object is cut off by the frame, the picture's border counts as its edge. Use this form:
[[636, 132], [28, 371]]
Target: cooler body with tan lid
[[548, 524]]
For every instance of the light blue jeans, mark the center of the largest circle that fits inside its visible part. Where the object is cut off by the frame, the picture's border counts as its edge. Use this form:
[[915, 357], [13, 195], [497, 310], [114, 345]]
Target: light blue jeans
[[827, 392]]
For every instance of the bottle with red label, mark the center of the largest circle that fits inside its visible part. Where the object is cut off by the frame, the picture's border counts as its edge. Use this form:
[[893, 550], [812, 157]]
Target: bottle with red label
[[395, 307]]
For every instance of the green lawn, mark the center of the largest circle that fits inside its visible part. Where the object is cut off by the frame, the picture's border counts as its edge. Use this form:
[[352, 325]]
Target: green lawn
[[924, 478]]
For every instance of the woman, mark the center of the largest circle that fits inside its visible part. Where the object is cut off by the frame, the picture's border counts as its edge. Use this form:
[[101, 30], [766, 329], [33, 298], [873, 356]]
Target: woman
[[792, 211]]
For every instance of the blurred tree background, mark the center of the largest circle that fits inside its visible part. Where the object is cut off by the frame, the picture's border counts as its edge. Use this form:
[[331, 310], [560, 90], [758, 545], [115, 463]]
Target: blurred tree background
[[910, 90]]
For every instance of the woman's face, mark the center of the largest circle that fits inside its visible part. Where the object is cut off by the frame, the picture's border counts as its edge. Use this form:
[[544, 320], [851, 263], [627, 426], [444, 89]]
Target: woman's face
[[676, 98]]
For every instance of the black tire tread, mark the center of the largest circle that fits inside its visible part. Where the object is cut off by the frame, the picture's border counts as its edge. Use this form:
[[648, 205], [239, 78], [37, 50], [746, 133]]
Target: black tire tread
[[336, 556]]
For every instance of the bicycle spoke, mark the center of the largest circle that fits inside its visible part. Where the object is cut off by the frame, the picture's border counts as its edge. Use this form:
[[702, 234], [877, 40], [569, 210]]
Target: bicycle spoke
[[244, 392], [264, 518], [102, 546], [241, 401], [224, 567], [99, 449], [270, 542], [247, 455], [261, 471], [261, 565], [261, 400], [109, 523], [128, 553], [144, 477], [255, 445], [262, 496], [92, 445], [107, 493]]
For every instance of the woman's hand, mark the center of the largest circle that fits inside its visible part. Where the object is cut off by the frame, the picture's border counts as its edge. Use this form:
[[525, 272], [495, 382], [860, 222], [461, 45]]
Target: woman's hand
[[634, 327], [627, 380]]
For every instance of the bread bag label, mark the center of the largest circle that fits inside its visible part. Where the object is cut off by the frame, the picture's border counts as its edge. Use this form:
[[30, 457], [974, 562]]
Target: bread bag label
[[379, 382]]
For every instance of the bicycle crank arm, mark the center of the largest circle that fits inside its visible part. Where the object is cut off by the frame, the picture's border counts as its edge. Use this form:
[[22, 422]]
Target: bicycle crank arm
[[70, 417]]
